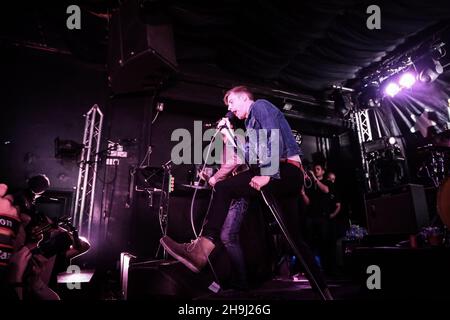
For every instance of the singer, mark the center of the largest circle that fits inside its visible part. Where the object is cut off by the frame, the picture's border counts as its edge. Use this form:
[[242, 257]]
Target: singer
[[284, 184], [230, 233]]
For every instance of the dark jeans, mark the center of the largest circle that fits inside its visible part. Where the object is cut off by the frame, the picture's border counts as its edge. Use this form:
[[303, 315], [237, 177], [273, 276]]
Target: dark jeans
[[321, 237], [285, 190], [318, 229], [231, 240]]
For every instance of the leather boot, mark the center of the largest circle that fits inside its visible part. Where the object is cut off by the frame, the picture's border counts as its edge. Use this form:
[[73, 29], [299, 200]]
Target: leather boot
[[193, 255]]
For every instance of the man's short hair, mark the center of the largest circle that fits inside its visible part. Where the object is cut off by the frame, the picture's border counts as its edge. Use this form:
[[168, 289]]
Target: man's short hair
[[321, 165], [238, 89], [38, 184]]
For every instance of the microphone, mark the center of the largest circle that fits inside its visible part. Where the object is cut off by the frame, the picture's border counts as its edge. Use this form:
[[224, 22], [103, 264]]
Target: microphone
[[211, 124], [230, 116], [227, 125]]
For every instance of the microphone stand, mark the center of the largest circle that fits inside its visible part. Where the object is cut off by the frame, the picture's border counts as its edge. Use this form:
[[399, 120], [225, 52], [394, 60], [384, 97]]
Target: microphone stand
[[164, 202], [271, 204]]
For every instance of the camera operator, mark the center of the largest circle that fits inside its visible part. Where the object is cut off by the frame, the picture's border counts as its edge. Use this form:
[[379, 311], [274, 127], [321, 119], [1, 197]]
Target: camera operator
[[39, 241]]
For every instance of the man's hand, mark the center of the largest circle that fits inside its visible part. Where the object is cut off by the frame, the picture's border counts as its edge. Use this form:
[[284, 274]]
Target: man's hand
[[224, 122], [202, 174], [212, 182], [6, 202], [323, 187], [258, 182]]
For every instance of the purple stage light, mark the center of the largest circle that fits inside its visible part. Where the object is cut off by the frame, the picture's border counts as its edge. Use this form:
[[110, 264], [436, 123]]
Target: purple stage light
[[392, 89], [407, 80]]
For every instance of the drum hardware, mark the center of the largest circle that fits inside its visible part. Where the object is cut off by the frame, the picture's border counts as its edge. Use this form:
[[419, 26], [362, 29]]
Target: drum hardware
[[435, 165], [386, 166], [198, 187], [156, 181]]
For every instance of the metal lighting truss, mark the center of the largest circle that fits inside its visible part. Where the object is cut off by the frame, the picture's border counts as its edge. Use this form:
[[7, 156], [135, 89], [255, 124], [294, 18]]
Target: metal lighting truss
[[362, 121], [84, 199]]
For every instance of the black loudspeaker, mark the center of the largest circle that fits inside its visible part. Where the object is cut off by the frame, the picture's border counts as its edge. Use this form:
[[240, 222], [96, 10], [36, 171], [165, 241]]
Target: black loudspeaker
[[141, 53], [255, 238], [179, 220], [144, 279], [255, 241], [402, 210], [146, 224]]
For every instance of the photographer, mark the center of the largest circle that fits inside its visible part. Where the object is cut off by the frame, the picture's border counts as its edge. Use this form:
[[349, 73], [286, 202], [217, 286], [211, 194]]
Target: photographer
[[317, 201], [39, 242]]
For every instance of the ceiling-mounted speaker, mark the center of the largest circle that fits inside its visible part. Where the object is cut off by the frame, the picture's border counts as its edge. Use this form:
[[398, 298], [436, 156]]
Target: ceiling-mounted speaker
[[141, 54]]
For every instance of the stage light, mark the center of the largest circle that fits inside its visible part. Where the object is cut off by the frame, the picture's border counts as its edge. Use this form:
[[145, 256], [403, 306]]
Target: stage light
[[392, 141], [431, 71], [392, 89], [287, 106], [407, 80]]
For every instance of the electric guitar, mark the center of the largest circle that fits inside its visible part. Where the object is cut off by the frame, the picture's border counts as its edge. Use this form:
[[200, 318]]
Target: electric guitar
[[55, 237]]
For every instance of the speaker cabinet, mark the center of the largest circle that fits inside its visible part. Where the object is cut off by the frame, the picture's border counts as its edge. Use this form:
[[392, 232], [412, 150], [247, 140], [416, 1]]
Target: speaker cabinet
[[141, 54], [401, 211], [254, 237], [146, 220], [179, 220], [146, 279]]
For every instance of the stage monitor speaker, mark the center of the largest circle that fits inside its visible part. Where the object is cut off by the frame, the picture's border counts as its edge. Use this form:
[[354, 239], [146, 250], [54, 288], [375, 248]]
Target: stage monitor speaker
[[401, 211], [146, 224], [179, 220], [141, 53], [146, 279]]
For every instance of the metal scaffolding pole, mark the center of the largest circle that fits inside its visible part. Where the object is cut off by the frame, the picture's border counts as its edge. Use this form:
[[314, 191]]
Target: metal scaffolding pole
[[361, 118], [87, 174]]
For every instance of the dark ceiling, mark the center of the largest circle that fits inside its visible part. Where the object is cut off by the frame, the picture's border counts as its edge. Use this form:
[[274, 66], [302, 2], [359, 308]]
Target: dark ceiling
[[308, 46], [303, 47]]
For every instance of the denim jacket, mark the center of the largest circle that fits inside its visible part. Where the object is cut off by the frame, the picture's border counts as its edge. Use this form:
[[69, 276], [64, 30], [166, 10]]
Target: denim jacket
[[264, 115]]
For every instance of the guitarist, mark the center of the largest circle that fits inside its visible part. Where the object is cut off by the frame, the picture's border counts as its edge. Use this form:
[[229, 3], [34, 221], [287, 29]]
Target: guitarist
[[41, 240]]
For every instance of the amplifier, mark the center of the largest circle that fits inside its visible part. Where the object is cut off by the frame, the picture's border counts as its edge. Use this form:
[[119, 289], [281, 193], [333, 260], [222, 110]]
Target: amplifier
[[401, 210]]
